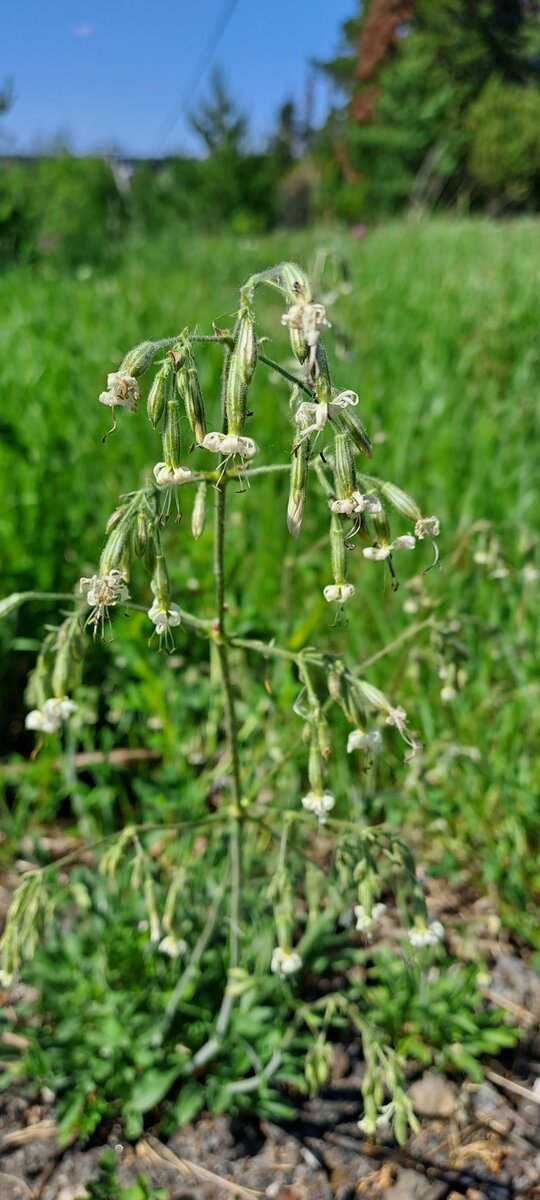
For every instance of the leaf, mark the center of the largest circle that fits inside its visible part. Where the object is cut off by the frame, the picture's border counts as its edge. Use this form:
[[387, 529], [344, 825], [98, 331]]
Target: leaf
[[190, 1102], [466, 1063], [11, 604], [152, 1087]]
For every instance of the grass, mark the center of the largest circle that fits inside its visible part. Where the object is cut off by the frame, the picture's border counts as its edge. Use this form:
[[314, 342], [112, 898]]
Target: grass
[[439, 336]]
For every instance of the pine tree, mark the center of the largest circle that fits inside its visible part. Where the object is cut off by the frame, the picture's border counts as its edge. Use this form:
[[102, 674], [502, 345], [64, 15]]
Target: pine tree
[[419, 67]]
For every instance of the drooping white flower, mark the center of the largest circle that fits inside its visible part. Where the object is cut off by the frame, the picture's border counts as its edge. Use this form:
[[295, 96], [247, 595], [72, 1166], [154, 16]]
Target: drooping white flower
[[426, 935], [164, 618], [359, 739], [320, 803], [171, 476], [530, 574], [172, 946], [311, 418], [310, 320], [103, 592], [122, 391], [285, 962], [49, 718], [346, 399], [398, 717], [427, 527], [228, 444], [355, 504], [366, 922], [380, 553], [338, 593]]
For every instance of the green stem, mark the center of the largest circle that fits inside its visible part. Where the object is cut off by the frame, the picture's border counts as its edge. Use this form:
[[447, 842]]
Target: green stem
[[286, 374], [232, 740]]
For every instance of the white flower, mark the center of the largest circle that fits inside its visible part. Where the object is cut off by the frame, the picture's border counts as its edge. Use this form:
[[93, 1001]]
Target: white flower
[[530, 573], [426, 935], [49, 718], [311, 418], [171, 475], [319, 803], [355, 504], [309, 318], [427, 527], [398, 717], [345, 399], [380, 553], [359, 740], [285, 962], [172, 946], [448, 693], [123, 391], [102, 592], [338, 593], [227, 444], [164, 618], [365, 922]]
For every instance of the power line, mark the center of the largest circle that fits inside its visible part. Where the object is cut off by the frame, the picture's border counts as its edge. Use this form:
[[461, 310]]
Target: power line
[[180, 109]]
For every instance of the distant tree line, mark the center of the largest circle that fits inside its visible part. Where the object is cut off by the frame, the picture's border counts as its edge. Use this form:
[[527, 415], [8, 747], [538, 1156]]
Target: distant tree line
[[437, 105], [441, 106]]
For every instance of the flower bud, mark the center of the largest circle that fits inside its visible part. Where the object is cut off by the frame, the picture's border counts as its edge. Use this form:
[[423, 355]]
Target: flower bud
[[235, 396], [294, 283], [315, 766], [140, 540], [298, 485], [337, 548], [246, 344], [115, 518], [137, 360], [187, 382], [149, 558], [114, 548], [357, 431], [401, 501], [66, 669], [161, 584], [298, 344], [171, 435], [344, 472], [198, 516], [157, 394], [381, 527], [325, 741], [322, 382]]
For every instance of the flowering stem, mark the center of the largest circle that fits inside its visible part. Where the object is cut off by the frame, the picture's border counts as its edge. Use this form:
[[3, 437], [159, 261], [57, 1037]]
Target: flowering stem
[[232, 739]]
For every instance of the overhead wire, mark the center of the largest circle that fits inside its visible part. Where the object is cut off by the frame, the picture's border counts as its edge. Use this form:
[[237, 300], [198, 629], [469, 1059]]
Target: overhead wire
[[181, 108]]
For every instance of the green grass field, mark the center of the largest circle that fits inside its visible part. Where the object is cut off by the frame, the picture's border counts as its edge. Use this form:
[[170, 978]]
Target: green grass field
[[439, 334]]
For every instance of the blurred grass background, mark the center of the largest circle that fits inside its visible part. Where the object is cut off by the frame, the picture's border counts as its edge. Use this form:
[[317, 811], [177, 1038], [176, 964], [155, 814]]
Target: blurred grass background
[[438, 334]]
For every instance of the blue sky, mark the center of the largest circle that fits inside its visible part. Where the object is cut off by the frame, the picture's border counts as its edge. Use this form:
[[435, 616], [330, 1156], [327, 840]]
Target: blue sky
[[122, 72]]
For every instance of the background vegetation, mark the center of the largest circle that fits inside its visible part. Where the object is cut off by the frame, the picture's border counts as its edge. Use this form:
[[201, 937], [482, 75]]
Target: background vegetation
[[436, 106]]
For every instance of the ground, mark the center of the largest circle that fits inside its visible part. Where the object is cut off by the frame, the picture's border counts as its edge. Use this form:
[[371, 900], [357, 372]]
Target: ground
[[479, 1141]]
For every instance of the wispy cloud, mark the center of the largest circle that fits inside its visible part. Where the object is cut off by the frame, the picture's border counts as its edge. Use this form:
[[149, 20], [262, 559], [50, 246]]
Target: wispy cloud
[[83, 31]]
